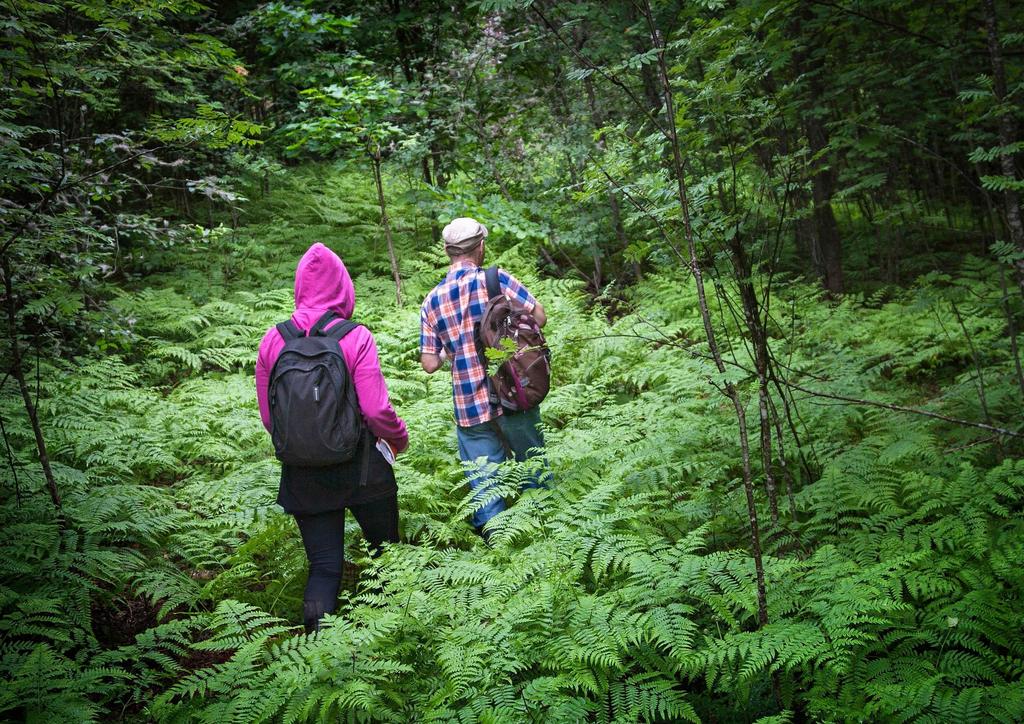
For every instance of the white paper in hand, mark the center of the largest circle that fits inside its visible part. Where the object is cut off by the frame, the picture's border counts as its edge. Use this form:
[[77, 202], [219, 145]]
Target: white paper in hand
[[386, 451]]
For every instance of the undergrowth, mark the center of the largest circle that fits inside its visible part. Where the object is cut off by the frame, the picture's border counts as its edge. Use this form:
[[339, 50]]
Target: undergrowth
[[624, 593]]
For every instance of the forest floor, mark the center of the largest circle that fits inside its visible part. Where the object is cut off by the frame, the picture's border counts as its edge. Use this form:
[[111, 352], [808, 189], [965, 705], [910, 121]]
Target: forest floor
[[630, 575]]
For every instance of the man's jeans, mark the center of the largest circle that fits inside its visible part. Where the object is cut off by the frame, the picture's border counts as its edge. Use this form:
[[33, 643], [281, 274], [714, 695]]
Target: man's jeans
[[522, 432]]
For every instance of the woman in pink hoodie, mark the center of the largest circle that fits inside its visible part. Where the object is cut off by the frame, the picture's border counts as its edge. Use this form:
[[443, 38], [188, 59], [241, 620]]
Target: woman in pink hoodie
[[318, 497]]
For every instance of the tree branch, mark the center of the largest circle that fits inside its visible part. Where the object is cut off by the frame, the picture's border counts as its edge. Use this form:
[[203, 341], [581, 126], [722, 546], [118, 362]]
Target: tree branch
[[587, 63], [666, 340]]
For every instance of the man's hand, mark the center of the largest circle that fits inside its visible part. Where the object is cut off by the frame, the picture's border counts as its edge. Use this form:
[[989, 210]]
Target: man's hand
[[539, 315], [432, 362]]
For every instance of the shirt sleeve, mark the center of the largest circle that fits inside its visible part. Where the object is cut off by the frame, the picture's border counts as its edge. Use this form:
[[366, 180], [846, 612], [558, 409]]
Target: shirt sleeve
[[430, 343], [373, 394], [514, 288], [263, 380]]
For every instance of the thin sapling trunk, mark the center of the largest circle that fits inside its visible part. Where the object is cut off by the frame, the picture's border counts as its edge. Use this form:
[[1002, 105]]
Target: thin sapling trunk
[[1011, 324], [695, 269], [18, 372], [384, 222]]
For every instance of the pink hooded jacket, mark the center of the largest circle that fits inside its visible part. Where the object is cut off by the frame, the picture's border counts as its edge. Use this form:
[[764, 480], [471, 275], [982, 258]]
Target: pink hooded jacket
[[322, 283]]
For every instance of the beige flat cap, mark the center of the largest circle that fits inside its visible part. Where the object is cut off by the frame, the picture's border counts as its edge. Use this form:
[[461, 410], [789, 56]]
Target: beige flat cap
[[463, 235]]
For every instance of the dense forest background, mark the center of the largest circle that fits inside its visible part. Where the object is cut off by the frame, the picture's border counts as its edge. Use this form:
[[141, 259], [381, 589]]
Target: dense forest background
[[782, 252]]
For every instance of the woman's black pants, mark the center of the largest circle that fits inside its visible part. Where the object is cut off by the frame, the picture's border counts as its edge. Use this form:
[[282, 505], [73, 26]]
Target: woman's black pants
[[323, 536]]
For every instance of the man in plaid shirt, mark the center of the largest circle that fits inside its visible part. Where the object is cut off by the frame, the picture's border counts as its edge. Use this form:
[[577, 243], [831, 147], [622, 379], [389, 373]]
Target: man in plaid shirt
[[448, 320]]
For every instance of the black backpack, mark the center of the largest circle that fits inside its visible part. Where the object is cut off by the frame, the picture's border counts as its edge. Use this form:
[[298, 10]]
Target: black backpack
[[314, 412]]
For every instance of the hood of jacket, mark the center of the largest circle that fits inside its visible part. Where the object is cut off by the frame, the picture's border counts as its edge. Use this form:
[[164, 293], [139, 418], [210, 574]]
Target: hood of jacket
[[322, 283]]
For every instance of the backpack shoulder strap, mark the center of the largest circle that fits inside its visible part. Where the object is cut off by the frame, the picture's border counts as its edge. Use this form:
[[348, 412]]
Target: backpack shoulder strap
[[289, 331], [338, 331], [493, 283], [325, 319]]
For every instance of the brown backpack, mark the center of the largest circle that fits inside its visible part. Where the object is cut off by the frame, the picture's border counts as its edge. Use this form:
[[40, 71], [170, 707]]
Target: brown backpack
[[523, 376]]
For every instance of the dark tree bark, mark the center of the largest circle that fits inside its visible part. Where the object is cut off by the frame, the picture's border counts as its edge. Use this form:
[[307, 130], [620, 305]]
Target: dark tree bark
[[826, 245], [648, 75], [409, 38], [1007, 135]]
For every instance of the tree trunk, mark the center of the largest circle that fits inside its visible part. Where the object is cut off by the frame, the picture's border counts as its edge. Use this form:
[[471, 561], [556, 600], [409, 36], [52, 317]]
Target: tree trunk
[[597, 120], [826, 249], [1011, 324], [1007, 135], [978, 368], [743, 268], [492, 163], [648, 76], [409, 39], [18, 372], [620, 232], [744, 273], [786, 472], [387, 225], [709, 332], [766, 450], [827, 245], [408, 35], [435, 228]]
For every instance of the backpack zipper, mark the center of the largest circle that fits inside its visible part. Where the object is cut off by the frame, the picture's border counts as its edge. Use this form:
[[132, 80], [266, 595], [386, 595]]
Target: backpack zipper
[[316, 386]]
